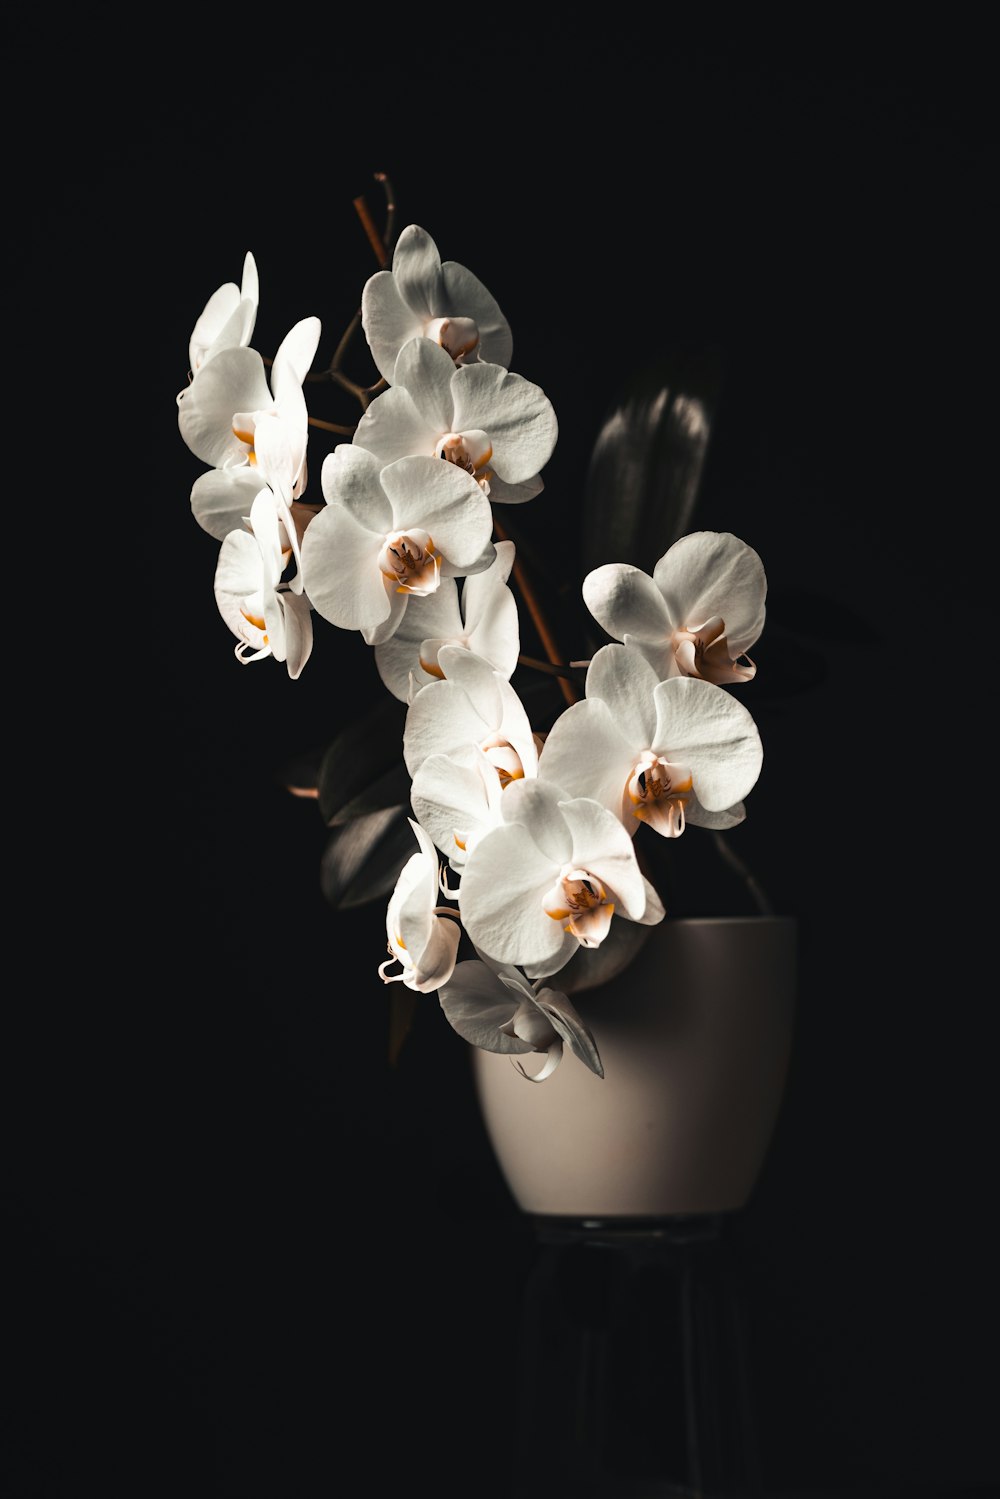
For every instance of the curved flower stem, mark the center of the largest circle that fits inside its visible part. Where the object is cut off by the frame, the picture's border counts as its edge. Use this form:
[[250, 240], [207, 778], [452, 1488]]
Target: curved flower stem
[[569, 690], [551, 668], [374, 238], [315, 421], [736, 864]]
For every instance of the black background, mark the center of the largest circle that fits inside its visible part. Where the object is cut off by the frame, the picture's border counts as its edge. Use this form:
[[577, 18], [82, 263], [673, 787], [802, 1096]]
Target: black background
[[248, 1258]]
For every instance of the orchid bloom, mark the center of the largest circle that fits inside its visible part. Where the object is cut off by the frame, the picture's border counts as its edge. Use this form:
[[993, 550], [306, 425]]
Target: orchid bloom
[[388, 534], [663, 753], [493, 1006], [551, 879], [480, 614], [228, 417], [227, 320], [473, 706], [699, 613], [496, 425], [457, 799], [266, 618], [425, 297], [422, 936]]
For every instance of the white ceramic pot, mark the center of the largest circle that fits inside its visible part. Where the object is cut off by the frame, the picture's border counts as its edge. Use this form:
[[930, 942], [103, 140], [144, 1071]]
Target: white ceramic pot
[[695, 1038]]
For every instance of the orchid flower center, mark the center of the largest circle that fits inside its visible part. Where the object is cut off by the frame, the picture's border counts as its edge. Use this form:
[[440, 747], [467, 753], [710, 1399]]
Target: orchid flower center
[[458, 336], [470, 451], [657, 790], [703, 651], [408, 560], [248, 618], [579, 899], [504, 758], [246, 437]]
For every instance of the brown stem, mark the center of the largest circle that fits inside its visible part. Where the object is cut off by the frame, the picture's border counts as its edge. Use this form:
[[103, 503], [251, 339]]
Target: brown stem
[[374, 238], [549, 667], [541, 624], [345, 340], [315, 421]]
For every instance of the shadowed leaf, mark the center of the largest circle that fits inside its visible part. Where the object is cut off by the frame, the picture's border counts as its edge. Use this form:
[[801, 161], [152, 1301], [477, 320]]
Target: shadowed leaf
[[390, 790], [367, 749], [646, 466], [363, 857]]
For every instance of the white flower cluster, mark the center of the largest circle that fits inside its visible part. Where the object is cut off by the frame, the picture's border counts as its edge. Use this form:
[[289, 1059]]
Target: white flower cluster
[[524, 842]]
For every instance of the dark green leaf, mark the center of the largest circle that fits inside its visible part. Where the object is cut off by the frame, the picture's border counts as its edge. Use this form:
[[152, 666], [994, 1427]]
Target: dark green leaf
[[646, 466], [367, 749], [390, 790], [363, 857]]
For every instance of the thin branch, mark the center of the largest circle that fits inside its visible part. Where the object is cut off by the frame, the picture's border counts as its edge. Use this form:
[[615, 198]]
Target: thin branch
[[364, 393], [541, 624], [345, 340], [549, 667], [315, 421], [374, 238]]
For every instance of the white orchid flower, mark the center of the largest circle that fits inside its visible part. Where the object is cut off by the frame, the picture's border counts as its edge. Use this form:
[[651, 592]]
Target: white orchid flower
[[228, 318], [425, 297], [496, 425], [230, 418], [663, 753], [494, 1007], [456, 798], [699, 613], [551, 879], [266, 617], [480, 614], [422, 936], [473, 706], [388, 534]]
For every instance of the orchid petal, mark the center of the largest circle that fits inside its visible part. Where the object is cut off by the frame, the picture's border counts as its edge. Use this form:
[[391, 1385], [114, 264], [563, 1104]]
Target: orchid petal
[[465, 295], [416, 266], [427, 372], [477, 1005], [537, 806], [704, 727], [221, 498], [518, 416], [601, 842], [350, 477], [625, 600], [553, 1057], [624, 679], [443, 500], [586, 754], [502, 493], [564, 1018], [457, 799], [504, 880], [715, 573], [233, 380], [340, 571], [394, 425]]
